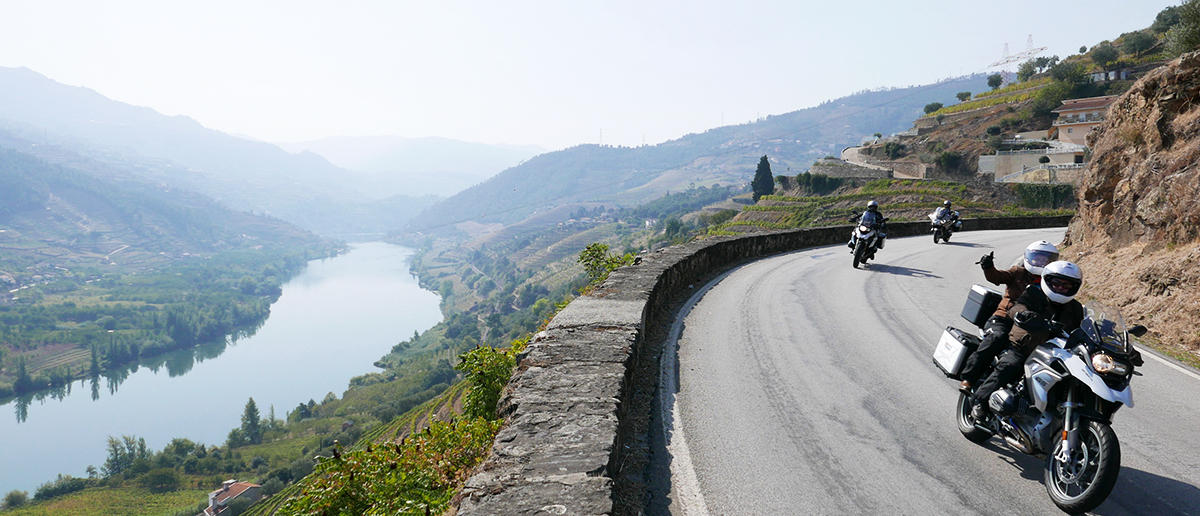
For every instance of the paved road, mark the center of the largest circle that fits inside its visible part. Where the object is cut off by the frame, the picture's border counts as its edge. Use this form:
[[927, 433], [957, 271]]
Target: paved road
[[804, 386]]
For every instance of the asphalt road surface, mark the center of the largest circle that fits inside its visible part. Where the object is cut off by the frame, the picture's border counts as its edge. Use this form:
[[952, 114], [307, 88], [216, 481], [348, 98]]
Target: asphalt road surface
[[800, 385]]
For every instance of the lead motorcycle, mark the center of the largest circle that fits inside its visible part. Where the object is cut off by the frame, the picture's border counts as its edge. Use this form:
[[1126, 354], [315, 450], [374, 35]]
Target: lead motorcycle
[[867, 237], [1063, 406]]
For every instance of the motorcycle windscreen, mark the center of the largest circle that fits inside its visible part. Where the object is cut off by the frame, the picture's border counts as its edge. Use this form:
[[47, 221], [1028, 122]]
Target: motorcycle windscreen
[[1105, 327]]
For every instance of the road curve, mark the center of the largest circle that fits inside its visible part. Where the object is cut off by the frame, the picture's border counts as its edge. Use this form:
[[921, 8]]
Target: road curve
[[799, 385]]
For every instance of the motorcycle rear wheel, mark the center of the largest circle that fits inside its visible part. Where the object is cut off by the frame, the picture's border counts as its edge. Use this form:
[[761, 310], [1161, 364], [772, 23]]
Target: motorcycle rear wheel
[[966, 423], [1085, 481], [860, 249]]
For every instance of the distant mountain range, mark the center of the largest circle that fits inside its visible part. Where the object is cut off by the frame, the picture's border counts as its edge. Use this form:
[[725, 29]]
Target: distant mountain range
[[244, 174], [395, 165], [625, 176], [60, 207]]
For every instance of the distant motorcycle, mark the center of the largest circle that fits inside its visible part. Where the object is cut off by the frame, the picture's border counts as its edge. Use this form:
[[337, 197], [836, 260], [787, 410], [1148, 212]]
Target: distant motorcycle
[[943, 223], [1062, 408], [866, 238]]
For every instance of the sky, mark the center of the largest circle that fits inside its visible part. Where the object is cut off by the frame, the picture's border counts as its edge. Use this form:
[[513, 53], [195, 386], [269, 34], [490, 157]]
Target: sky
[[548, 73]]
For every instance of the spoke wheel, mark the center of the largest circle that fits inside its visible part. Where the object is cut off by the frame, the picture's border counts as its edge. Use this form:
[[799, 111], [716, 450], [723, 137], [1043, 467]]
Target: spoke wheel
[[1081, 480]]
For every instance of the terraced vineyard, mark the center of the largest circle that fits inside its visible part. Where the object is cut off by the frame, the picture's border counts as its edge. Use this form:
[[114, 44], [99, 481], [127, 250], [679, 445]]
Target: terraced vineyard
[[899, 200]]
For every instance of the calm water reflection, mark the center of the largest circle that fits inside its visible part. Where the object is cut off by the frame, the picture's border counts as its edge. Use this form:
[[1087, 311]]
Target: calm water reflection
[[331, 323]]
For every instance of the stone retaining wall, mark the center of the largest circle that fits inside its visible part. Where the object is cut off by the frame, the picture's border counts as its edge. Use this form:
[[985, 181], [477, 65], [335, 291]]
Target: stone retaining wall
[[578, 408]]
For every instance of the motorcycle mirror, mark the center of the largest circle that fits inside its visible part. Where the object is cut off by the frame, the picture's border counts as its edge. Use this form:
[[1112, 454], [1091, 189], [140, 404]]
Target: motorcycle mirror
[[1138, 331]]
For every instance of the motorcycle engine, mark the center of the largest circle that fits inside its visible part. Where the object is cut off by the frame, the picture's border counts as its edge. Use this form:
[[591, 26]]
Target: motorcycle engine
[[1003, 402]]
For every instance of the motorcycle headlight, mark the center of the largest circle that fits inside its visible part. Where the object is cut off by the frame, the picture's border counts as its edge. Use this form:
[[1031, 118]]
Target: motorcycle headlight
[[864, 229], [1106, 364]]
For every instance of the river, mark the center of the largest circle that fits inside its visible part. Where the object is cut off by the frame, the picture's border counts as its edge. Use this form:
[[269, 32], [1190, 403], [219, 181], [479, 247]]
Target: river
[[332, 322]]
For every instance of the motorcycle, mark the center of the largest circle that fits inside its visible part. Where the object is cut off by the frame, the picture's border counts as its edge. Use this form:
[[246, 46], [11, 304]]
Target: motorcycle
[[866, 238], [1062, 408], [942, 223]]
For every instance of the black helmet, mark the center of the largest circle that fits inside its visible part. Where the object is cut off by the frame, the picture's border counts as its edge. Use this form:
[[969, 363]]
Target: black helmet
[[946, 204]]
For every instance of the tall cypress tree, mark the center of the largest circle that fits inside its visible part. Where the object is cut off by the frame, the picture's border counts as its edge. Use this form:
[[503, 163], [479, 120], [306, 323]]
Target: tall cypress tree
[[764, 182], [250, 423]]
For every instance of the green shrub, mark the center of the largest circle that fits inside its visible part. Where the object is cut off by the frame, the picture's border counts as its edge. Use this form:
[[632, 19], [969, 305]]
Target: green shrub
[[417, 476], [64, 484], [597, 263], [1033, 195]]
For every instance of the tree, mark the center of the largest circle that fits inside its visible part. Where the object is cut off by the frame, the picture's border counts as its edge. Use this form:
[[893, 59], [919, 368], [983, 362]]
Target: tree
[[1068, 72], [1083, 49], [160, 480], [932, 106], [948, 160], [123, 453], [1166, 19], [995, 80], [963, 96], [14, 499], [893, 150], [1044, 159], [763, 182], [1137, 42], [1104, 54], [1026, 70], [251, 424], [1184, 36]]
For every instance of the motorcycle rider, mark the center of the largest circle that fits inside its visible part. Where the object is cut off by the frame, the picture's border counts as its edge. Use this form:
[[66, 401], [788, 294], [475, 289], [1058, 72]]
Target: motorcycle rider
[[1036, 313], [1015, 280], [869, 218], [945, 212]]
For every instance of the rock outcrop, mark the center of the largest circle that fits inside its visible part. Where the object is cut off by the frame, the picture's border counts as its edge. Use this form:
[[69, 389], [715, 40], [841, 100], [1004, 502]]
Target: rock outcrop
[[1137, 232]]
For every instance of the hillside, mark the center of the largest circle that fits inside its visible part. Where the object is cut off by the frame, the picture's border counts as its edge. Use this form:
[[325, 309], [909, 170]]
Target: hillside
[[80, 210], [625, 176], [1137, 233], [245, 175]]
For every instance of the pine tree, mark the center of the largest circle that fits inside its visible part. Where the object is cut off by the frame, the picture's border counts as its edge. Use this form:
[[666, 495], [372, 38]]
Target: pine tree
[[764, 182], [251, 428]]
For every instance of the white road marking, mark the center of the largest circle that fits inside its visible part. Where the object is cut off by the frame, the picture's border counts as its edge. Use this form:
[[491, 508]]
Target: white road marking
[[1170, 364]]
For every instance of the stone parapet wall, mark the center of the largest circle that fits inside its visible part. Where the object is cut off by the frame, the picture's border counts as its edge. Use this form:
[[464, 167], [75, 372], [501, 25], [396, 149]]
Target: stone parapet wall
[[578, 407], [850, 170]]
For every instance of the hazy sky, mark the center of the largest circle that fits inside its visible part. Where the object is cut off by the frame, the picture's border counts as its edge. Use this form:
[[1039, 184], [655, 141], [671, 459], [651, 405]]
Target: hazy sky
[[550, 73]]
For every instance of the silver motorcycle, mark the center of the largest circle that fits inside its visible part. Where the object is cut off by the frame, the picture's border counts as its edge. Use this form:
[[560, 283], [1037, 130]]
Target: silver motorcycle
[[943, 223], [867, 237], [1062, 408]]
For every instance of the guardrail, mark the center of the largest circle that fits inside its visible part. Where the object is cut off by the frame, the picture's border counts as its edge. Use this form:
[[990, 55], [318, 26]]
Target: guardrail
[[576, 441]]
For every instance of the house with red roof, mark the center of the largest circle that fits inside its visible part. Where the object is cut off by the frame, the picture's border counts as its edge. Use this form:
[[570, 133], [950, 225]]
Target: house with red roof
[[1078, 117], [218, 501]]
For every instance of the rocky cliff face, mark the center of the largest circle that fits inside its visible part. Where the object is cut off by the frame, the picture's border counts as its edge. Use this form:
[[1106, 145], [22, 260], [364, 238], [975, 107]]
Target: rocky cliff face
[[1137, 232]]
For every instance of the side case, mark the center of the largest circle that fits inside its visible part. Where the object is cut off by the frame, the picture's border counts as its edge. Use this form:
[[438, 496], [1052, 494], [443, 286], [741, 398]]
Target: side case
[[981, 304], [952, 351]]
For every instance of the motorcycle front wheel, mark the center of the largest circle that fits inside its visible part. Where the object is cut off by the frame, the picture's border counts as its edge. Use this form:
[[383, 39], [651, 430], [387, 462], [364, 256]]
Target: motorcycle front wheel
[[859, 250], [1084, 480], [935, 236], [966, 423]]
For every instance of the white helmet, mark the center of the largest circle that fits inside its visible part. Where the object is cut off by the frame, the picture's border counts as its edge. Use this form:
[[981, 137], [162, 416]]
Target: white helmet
[[872, 206], [1038, 254], [1061, 281]]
